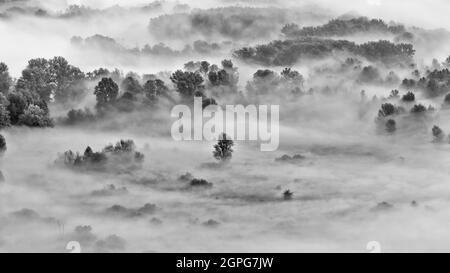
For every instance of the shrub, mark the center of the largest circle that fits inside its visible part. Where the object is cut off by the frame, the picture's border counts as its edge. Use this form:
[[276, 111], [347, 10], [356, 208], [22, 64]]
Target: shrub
[[200, 183], [287, 195]]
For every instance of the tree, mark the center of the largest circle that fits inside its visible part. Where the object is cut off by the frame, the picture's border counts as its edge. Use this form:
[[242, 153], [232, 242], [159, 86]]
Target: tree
[[16, 107], [68, 80], [106, 92], [34, 116], [204, 67], [387, 109], [54, 78], [98, 73], [227, 64], [446, 63], [292, 75], [391, 126], [2, 144], [130, 84], [392, 78], [75, 116], [37, 78], [154, 88], [5, 79], [187, 83], [5, 120], [394, 94], [369, 74], [223, 149], [287, 195], [220, 77], [438, 134], [447, 99], [18, 102], [408, 83], [418, 108], [409, 97]]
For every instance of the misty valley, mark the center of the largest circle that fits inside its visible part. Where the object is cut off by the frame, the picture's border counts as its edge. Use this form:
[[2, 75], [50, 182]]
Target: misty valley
[[89, 153]]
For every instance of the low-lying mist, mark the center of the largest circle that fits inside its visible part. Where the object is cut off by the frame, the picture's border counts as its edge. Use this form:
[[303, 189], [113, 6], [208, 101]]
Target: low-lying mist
[[364, 142]]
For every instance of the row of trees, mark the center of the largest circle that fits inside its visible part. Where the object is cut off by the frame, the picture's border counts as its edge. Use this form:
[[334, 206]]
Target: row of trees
[[237, 23], [344, 27], [122, 155], [132, 94], [105, 43], [288, 52]]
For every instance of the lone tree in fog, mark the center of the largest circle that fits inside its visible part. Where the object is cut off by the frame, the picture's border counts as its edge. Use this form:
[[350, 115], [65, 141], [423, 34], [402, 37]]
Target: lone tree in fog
[[2, 144], [106, 92], [223, 149], [391, 126], [438, 134]]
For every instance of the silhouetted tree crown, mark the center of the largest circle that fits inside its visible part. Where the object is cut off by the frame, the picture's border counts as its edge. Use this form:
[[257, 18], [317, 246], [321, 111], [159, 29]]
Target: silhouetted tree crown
[[409, 97], [187, 83], [437, 132], [54, 78], [418, 108], [106, 92], [131, 85], [391, 126], [154, 88], [223, 149]]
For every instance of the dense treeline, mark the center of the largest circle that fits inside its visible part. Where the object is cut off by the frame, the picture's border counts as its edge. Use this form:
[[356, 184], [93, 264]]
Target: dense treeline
[[289, 52], [72, 11], [344, 27], [115, 92], [104, 43]]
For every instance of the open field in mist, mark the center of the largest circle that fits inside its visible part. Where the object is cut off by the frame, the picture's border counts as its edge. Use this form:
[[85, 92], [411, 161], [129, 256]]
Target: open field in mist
[[364, 123]]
